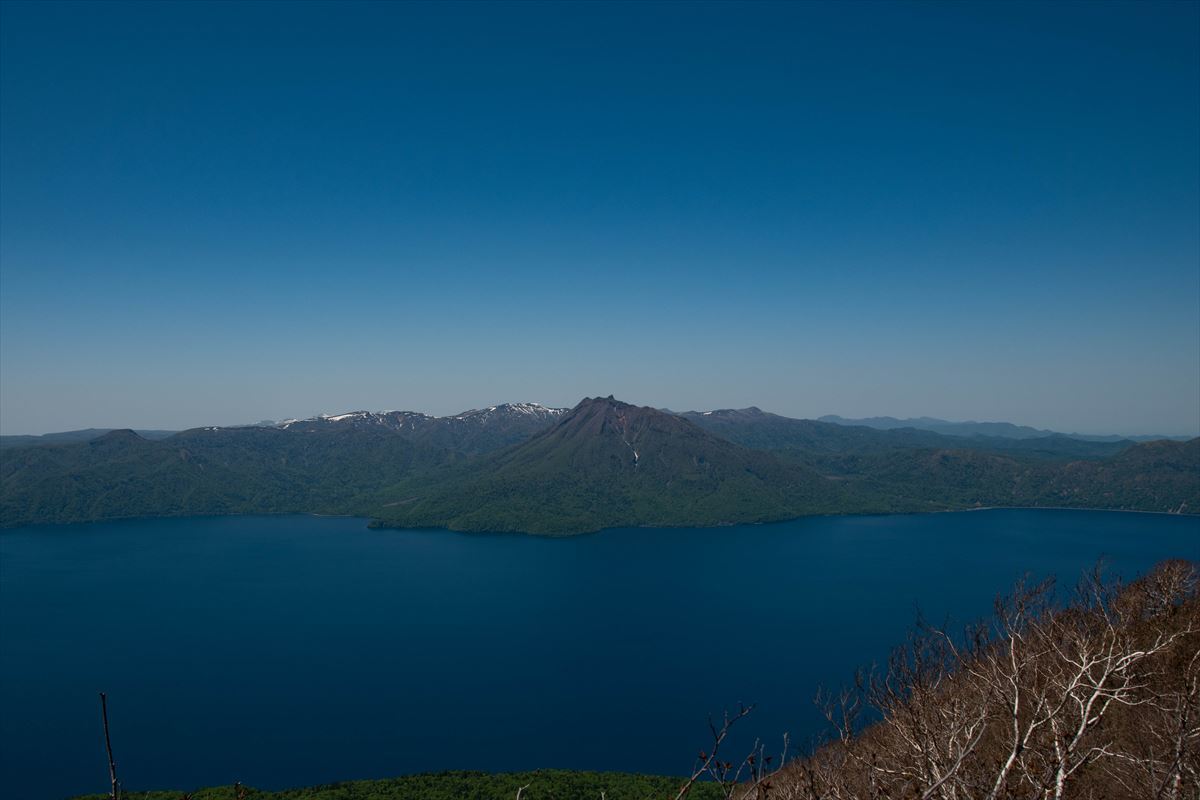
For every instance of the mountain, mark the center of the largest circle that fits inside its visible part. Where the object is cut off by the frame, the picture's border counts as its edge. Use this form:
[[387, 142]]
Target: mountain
[[1005, 430], [812, 440], [604, 463], [906, 469], [68, 437], [476, 431], [1159, 475], [970, 428], [1148, 476], [607, 464], [205, 471]]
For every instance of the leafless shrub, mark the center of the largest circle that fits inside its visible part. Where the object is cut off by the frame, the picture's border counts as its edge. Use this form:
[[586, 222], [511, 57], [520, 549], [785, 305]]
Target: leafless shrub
[[1097, 699], [750, 777]]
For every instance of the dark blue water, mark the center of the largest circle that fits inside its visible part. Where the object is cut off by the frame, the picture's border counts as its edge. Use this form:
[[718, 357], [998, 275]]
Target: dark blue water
[[294, 650]]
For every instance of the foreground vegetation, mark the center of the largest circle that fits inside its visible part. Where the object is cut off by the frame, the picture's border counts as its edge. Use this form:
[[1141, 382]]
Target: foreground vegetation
[[1100, 699], [546, 784]]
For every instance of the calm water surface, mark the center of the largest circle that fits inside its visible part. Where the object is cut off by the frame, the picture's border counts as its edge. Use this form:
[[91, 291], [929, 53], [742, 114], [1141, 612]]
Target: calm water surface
[[292, 650]]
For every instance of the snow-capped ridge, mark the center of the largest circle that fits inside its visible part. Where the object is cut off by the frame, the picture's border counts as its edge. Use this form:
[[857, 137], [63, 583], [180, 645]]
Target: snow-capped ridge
[[526, 409], [474, 431], [340, 417], [411, 419]]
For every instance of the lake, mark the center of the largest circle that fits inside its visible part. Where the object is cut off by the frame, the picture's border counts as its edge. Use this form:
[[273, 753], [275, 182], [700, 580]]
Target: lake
[[283, 651]]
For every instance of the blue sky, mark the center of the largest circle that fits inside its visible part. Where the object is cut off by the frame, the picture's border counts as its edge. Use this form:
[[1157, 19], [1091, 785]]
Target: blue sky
[[218, 213]]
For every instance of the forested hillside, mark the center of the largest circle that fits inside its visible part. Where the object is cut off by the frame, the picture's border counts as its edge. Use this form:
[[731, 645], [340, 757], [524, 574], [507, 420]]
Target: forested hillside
[[609, 464], [602, 464]]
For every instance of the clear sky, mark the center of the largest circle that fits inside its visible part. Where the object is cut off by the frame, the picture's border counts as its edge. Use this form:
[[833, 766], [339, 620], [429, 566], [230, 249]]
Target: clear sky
[[219, 213]]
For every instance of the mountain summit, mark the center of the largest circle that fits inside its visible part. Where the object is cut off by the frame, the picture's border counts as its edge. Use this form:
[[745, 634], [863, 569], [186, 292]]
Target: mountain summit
[[605, 464], [602, 432]]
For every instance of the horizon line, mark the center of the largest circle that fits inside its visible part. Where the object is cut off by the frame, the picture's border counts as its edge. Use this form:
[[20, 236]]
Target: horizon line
[[264, 422]]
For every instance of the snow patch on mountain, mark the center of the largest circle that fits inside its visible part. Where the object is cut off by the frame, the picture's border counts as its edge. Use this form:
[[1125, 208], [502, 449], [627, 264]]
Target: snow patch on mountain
[[400, 420]]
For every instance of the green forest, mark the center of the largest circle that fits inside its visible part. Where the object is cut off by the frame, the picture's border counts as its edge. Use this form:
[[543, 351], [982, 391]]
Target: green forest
[[603, 464], [537, 785]]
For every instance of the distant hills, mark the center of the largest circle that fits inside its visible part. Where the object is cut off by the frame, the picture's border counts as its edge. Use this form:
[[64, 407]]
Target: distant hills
[[249, 470], [1005, 430], [906, 469], [509, 422], [753, 427], [66, 437], [605, 463], [477, 431]]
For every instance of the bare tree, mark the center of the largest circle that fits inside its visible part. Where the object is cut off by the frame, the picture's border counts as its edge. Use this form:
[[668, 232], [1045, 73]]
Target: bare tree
[[749, 777], [1100, 698], [708, 762], [115, 791]]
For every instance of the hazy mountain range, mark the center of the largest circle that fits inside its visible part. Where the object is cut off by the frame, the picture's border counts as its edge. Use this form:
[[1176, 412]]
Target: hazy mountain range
[[972, 428], [604, 463], [457, 428], [66, 437]]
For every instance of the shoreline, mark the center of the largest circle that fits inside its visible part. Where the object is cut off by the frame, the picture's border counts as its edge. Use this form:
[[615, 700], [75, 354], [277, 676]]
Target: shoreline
[[1070, 508], [378, 524]]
